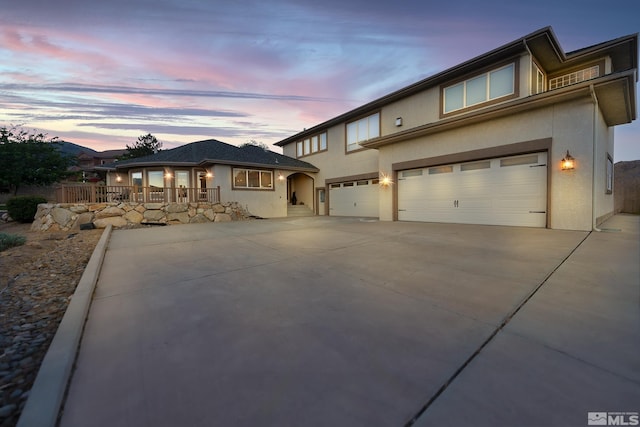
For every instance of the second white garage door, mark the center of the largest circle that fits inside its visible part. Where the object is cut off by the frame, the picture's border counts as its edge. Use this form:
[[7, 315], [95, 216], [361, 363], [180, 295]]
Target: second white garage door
[[501, 191], [354, 198]]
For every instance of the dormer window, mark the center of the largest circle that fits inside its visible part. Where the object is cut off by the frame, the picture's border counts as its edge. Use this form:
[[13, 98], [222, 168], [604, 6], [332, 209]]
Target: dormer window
[[486, 87]]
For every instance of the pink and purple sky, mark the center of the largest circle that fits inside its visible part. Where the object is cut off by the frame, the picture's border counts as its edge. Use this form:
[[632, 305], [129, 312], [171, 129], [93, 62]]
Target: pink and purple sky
[[102, 73]]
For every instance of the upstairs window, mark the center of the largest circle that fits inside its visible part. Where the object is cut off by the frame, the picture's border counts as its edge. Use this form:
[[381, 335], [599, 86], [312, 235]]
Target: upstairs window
[[311, 145], [479, 89], [575, 77], [538, 81], [362, 130]]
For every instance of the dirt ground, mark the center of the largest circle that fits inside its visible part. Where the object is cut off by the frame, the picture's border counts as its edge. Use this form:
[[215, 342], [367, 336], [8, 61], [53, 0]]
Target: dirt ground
[[14, 261]]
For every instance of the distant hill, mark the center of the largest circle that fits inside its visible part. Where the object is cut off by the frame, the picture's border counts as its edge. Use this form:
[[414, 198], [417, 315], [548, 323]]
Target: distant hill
[[71, 149], [626, 188]]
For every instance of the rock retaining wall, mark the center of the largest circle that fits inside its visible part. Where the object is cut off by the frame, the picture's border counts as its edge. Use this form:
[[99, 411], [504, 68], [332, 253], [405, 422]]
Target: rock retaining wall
[[70, 216]]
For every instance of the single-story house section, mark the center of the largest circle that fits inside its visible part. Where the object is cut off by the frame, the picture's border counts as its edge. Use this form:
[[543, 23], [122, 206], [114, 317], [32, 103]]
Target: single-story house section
[[260, 180], [522, 135]]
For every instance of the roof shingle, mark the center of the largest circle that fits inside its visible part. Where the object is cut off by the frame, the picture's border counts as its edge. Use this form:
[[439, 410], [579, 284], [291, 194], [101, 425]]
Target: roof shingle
[[212, 151]]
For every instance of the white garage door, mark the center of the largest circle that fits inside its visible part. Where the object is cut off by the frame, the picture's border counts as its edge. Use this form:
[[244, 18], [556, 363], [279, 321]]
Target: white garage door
[[501, 191], [354, 198]]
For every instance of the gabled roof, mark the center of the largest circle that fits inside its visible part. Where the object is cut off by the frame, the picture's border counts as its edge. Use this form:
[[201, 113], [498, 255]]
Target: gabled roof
[[542, 43], [212, 151]]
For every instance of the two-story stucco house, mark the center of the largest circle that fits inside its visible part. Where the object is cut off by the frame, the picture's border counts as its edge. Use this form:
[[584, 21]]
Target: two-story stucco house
[[522, 135]]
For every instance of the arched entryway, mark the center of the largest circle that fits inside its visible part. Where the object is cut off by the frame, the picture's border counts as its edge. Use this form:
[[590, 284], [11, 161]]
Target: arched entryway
[[300, 193]]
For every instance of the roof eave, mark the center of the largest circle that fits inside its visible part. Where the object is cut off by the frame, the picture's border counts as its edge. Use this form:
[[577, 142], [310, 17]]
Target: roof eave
[[155, 163], [258, 165]]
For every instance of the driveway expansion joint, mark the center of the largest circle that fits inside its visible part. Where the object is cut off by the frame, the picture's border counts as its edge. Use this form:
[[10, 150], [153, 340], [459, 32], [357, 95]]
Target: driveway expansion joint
[[502, 325]]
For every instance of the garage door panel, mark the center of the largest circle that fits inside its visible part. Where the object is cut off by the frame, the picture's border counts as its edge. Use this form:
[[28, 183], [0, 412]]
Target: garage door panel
[[502, 191], [354, 199]]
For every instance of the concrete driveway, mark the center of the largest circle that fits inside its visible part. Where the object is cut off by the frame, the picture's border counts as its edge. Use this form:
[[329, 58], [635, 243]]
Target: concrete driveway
[[352, 322]]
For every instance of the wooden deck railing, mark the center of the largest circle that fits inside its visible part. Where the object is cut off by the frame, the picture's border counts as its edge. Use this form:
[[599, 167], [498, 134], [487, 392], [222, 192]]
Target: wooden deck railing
[[92, 193]]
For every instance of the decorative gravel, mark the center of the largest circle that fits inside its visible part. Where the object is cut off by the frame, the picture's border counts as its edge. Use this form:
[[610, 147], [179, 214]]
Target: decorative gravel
[[37, 281]]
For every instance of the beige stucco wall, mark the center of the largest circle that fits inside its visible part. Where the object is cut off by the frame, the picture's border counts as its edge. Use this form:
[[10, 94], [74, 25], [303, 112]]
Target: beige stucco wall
[[334, 163], [415, 110], [570, 198], [572, 191], [263, 203], [569, 125]]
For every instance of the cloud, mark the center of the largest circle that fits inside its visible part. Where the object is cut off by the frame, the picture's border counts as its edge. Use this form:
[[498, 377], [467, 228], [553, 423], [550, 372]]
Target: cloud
[[131, 90], [282, 64]]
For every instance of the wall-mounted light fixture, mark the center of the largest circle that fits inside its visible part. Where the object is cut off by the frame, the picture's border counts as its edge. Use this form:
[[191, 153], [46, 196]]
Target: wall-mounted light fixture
[[385, 180], [567, 162], [118, 178], [280, 176], [168, 175], [399, 121], [206, 173]]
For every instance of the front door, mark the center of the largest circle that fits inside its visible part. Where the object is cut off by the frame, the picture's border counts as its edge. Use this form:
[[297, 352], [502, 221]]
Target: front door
[[320, 209]]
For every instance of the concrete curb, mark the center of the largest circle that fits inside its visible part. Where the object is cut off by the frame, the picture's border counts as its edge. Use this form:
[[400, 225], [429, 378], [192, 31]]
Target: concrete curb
[[48, 391]]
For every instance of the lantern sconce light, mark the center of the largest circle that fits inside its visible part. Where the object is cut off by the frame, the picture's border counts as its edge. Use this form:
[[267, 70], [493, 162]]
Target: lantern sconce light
[[118, 178], [385, 180], [280, 177], [399, 121], [568, 162]]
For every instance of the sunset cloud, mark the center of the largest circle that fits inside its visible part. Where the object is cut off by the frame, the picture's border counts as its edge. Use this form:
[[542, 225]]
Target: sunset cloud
[[96, 72]]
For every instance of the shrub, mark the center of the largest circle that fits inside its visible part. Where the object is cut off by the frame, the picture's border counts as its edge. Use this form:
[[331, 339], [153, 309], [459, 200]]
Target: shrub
[[10, 240], [24, 208]]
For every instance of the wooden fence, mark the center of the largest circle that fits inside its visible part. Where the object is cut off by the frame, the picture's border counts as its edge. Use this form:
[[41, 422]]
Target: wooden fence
[[93, 193]]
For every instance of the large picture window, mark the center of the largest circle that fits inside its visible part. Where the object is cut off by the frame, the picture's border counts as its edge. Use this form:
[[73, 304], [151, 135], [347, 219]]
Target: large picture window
[[253, 179], [362, 130], [483, 88]]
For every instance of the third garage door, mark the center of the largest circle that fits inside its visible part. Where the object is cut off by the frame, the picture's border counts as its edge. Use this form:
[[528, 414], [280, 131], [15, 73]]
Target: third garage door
[[501, 191]]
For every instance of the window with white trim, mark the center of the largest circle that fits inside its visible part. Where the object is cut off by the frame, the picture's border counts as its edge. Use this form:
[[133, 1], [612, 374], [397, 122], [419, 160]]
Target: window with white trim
[[311, 145], [486, 87], [575, 77], [252, 179], [538, 81], [362, 130]]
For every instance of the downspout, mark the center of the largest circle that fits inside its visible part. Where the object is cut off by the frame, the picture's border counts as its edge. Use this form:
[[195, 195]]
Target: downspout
[[596, 107]]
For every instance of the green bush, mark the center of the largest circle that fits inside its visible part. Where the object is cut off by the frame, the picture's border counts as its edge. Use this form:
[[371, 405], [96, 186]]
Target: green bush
[[10, 240], [24, 208]]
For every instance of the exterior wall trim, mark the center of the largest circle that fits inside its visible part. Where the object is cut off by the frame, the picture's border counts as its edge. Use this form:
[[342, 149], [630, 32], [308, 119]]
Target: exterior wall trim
[[359, 177], [525, 147]]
